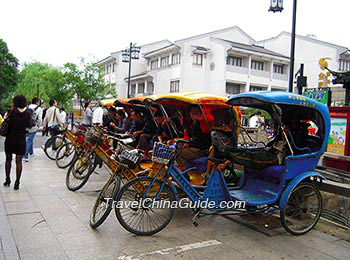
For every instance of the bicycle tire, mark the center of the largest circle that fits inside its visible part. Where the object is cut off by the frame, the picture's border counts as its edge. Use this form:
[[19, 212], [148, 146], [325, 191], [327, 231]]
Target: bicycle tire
[[71, 173], [299, 213], [128, 188], [113, 180], [51, 150], [61, 161]]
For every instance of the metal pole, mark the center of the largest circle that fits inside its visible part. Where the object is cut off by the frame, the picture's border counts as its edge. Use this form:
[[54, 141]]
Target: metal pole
[[129, 69], [292, 50]]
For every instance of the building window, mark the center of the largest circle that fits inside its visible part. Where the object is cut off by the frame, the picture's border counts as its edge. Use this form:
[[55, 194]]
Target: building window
[[278, 68], [154, 64], [232, 88], [114, 67], [197, 59], [133, 90], [255, 88], [164, 61], [344, 65], [235, 61], [141, 88], [257, 65], [150, 88], [174, 85], [175, 59]]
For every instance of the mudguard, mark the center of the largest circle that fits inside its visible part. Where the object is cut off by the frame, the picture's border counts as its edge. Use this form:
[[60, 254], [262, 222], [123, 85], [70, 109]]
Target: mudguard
[[291, 186]]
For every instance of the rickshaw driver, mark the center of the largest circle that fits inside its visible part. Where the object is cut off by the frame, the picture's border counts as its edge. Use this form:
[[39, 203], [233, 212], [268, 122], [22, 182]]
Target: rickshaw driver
[[200, 140]]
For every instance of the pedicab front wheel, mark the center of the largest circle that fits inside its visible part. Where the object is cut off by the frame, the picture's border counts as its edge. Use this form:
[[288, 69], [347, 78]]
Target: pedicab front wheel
[[303, 209], [104, 202], [144, 210]]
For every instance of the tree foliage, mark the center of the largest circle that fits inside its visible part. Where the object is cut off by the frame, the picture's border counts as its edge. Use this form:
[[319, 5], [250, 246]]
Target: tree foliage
[[8, 71], [45, 82], [84, 82]]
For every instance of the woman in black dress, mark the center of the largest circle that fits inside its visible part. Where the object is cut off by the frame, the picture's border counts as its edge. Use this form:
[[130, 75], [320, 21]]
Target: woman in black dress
[[15, 142]]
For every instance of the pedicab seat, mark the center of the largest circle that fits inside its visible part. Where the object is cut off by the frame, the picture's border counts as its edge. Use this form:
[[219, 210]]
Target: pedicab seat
[[199, 163], [260, 186]]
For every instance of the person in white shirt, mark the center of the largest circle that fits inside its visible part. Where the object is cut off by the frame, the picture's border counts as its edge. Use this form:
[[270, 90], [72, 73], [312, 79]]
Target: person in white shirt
[[253, 121], [97, 116], [53, 116], [38, 113], [63, 115], [257, 120]]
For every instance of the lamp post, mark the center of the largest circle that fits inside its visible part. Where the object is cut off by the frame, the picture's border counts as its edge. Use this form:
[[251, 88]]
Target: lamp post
[[277, 6], [131, 53]]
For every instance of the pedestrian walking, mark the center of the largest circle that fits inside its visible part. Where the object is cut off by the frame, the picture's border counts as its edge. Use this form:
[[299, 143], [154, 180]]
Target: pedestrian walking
[[15, 142], [45, 128], [37, 113], [53, 119], [87, 114]]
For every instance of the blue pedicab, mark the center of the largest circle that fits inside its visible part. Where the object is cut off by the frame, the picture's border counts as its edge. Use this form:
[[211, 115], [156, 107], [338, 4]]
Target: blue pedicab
[[287, 185]]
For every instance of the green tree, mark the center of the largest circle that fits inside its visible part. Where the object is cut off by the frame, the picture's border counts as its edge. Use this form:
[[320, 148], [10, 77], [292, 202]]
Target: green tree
[[86, 81], [8, 71], [45, 82]]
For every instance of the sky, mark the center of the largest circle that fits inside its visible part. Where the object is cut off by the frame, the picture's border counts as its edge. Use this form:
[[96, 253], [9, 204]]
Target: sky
[[60, 31]]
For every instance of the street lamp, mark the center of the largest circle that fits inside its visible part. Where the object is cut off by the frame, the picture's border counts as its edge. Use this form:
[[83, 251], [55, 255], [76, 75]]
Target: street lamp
[[132, 53], [277, 6]]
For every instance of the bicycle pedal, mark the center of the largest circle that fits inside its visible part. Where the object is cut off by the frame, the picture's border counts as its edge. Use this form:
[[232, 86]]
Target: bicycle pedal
[[195, 223]]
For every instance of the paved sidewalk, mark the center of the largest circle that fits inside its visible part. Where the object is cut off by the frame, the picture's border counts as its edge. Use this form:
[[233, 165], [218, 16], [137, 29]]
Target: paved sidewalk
[[43, 220]]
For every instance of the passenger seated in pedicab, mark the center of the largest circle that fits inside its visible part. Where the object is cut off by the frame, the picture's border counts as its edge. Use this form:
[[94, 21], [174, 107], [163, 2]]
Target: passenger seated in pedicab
[[124, 123], [170, 128], [146, 135], [137, 124], [199, 137], [110, 118]]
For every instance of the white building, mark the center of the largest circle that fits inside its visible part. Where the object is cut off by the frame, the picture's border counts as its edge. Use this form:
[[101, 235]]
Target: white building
[[308, 50], [223, 62], [115, 71]]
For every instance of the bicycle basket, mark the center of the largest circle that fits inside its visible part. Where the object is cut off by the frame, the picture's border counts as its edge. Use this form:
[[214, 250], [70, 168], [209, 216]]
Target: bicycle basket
[[92, 136], [129, 158], [120, 148], [162, 153]]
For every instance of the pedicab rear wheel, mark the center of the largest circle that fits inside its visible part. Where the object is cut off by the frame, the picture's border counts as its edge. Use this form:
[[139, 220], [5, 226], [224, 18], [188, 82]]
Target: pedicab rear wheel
[[104, 202], [303, 209], [141, 220]]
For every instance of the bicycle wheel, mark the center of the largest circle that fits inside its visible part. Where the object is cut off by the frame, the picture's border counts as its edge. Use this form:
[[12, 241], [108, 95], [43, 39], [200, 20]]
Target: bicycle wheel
[[104, 202], [52, 145], [144, 219], [78, 173], [65, 155], [303, 209]]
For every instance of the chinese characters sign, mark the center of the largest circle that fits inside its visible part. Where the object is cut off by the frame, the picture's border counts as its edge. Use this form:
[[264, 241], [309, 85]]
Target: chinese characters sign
[[337, 136]]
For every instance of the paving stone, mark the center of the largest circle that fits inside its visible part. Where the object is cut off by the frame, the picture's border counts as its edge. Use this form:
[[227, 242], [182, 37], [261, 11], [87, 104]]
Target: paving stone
[[81, 240], [20, 207], [45, 253], [94, 253]]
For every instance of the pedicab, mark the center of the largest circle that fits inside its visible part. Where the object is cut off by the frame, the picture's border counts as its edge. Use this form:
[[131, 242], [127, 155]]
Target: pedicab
[[271, 183], [124, 163], [217, 115], [120, 170]]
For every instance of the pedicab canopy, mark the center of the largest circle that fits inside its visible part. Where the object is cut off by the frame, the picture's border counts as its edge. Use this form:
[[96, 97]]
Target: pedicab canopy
[[285, 107], [107, 102], [214, 107]]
